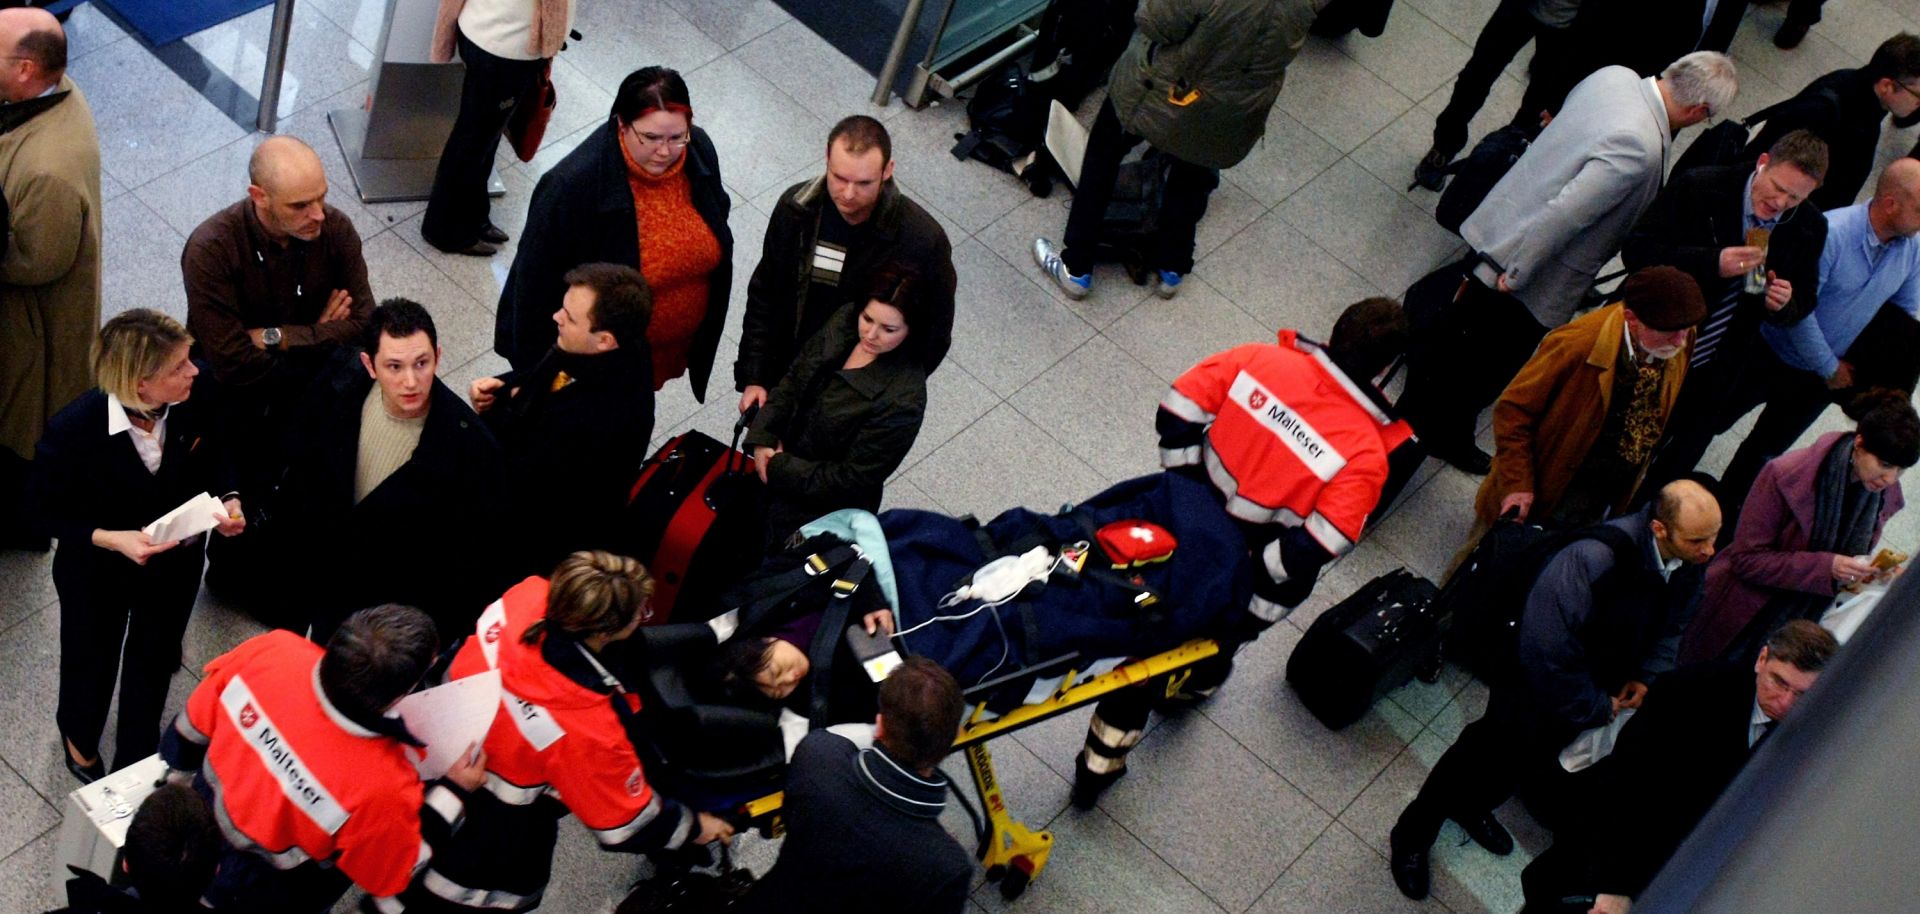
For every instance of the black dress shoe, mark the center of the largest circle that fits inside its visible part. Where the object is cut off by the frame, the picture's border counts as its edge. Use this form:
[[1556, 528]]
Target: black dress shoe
[[1430, 172], [493, 235], [1411, 871], [1466, 457], [1790, 35], [1088, 786], [86, 774], [1486, 831], [476, 249]]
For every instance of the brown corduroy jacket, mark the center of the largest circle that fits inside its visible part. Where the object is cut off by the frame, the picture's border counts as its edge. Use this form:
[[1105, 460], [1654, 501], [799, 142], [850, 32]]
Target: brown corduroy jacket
[[1546, 420]]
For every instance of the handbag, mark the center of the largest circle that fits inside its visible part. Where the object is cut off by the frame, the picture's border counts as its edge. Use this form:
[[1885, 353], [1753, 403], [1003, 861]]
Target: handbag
[[691, 891], [527, 125]]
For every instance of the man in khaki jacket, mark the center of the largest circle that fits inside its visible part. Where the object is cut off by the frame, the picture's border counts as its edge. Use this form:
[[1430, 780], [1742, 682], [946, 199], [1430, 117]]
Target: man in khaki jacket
[[1574, 431], [50, 277]]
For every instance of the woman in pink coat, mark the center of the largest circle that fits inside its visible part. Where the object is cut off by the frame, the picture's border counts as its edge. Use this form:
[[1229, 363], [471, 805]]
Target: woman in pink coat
[[1812, 516]]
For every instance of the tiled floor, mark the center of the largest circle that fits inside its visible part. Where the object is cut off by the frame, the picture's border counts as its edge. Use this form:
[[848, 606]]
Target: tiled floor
[[1248, 805]]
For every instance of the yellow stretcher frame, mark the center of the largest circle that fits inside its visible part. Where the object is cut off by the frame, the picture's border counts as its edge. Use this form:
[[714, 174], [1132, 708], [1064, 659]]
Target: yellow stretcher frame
[[1013, 854]]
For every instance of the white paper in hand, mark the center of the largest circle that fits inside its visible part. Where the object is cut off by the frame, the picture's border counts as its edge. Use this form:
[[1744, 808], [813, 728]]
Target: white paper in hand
[[200, 514], [449, 718]]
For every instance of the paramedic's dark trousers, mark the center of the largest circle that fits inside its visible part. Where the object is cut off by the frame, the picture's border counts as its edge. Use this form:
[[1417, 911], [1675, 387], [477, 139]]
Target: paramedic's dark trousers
[[1494, 757], [1182, 205], [1507, 31], [1466, 349]]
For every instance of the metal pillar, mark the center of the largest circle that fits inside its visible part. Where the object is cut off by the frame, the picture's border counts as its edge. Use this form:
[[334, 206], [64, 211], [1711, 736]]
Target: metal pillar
[[897, 55], [276, 66]]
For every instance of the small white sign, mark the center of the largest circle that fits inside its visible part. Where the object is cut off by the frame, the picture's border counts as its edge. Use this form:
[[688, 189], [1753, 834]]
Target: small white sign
[[449, 718], [200, 514]]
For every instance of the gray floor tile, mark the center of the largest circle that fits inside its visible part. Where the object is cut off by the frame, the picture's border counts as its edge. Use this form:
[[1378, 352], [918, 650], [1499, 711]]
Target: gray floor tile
[[1855, 26], [1461, 18], [481, 277], [1337, 98], [971, 193], [1171, 336], [1003, 461], [1229, 210], [619, 38], [149, 121], [815, 73], [1034, 792], [954, 400], [26, 882], [733, 23], [586, 878], [1183, 819], [761, 134], [140, 263], [1428, 530], [322, 58], [214, 629], [26, 585], [581, 103], [186, 196], [485, 365], [1011, 238], [1339, 874], [1414, 55], [1005, 330], [557, 147], [1463, 708], [23, 814], [395, 269], [1286, 158], [89, 30], [1426, 700], [362, 19], [903, 494], [312, 126], [1261, 712], [1791, 70], [1098, 403], [1282, 279], [1096, 866], [1370, 226]]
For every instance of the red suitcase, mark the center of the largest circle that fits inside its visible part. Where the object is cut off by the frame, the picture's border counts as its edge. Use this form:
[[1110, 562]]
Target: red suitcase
[[694, 519]]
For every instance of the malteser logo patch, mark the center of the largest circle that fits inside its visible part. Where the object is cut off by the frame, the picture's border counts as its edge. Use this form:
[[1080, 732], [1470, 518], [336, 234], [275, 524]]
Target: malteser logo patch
[[296, 779], [489, 627], [1289, 426], [634, 784], [493, 633]]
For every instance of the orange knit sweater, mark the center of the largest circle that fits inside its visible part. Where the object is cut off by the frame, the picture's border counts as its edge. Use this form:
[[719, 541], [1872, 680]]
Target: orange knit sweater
[[677, 252]]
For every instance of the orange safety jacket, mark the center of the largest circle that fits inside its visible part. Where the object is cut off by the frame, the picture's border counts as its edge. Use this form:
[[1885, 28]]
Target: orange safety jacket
[[554, 736], [294, 780], [1289, 439]]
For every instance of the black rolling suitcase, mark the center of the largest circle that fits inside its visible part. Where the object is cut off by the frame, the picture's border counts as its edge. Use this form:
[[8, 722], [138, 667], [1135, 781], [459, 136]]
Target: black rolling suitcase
[[1366, 646], [695, 519]]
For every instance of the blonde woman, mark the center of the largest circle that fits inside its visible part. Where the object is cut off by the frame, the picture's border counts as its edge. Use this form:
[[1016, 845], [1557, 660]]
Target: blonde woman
[[111, 462]]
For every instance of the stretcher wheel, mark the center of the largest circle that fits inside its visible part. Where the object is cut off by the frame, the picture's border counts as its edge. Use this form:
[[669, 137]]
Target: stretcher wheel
[[1013, 883], [996, 871]]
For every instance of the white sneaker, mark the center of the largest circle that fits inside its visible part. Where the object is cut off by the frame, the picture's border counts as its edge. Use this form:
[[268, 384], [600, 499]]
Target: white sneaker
[[1166, 283], [1048, 258]]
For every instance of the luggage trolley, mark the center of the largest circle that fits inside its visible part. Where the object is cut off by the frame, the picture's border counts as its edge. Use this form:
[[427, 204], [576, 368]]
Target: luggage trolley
[[1012, 853]]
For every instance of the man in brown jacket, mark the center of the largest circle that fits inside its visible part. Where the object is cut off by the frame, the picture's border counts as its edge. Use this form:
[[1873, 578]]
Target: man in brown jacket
[[50, 277], [1574, 431]]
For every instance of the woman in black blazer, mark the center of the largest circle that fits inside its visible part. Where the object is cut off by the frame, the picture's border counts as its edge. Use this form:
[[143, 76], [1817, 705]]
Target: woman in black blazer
[[113, 461]]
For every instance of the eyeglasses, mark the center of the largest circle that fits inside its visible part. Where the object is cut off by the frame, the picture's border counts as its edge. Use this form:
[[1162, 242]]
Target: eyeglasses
[[654, 141], [1908, 89]]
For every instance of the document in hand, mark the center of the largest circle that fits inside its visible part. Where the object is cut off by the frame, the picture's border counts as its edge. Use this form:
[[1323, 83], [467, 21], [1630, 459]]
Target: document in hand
[[200, 514], [449, 718]]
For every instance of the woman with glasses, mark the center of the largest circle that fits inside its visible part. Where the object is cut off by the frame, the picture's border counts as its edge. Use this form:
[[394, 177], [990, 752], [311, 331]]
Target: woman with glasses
[[111, 463], [643, 191]]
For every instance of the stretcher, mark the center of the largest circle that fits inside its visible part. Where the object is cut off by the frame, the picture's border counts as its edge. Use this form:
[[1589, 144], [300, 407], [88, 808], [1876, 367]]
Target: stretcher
[[1013, 853]]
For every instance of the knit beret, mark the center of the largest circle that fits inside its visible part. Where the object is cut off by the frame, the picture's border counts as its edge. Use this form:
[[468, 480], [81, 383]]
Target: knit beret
[[1664, 298]]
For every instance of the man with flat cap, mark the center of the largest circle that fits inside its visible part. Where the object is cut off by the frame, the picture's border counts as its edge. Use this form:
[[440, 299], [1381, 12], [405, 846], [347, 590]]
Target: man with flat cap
[[1575, 429]]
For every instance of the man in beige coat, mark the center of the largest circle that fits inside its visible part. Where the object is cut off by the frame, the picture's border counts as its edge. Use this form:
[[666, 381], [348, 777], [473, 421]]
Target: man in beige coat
[[50, 277]]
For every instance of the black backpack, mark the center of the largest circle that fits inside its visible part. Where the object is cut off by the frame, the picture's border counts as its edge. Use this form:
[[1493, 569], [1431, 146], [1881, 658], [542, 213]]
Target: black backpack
[[1475, 175], [1007, 120], [1483, 601], [1129, 232], [1728, 142]]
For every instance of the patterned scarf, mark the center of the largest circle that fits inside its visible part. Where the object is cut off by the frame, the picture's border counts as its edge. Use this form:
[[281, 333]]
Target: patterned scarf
[[1640, 430]]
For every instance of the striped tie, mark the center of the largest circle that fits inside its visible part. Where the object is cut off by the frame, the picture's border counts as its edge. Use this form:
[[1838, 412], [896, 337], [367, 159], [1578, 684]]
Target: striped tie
[[1714, 327]]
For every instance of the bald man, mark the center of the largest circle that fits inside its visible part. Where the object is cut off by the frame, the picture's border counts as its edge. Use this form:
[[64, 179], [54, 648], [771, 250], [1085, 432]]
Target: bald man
[[50, 274], [1871, 259], [275, 283], [1602, 620]]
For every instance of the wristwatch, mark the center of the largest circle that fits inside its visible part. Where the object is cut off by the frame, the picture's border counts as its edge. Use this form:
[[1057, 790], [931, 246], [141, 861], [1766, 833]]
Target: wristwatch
[[271, 337]]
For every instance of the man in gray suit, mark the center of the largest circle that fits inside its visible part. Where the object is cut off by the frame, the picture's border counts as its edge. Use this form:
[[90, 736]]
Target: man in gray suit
[[1544, 232]]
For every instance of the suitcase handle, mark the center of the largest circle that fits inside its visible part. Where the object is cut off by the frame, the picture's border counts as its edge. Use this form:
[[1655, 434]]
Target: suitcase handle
[[733, 450]]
